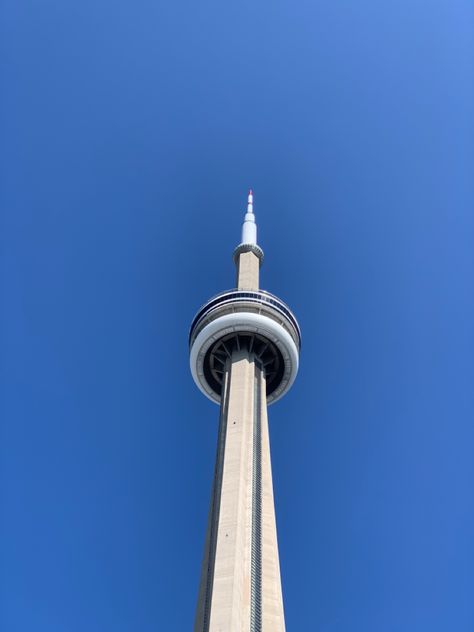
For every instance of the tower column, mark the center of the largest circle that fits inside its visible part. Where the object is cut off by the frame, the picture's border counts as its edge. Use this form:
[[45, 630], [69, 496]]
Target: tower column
[[244, 352], [230, 602], [248, 268], [224, 602], [240, 587]]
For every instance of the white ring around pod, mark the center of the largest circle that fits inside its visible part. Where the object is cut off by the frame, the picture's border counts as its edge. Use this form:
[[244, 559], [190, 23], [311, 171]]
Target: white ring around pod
[[244, 322]]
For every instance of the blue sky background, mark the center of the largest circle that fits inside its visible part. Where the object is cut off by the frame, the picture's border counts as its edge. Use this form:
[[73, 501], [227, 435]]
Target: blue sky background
[[130, 134]]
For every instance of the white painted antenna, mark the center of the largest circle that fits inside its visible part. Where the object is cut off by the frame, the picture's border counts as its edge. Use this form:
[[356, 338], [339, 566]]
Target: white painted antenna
[[249, 227]]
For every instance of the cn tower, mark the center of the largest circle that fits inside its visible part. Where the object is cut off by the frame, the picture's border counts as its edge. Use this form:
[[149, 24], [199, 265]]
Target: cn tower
[[244, 350]]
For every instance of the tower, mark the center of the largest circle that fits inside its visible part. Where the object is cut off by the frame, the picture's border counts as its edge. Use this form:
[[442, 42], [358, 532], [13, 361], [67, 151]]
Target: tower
[[244, 349]]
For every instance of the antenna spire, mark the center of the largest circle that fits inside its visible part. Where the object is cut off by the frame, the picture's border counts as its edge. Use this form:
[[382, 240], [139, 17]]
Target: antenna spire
[[249, 234], [250, 202], [249, 227]]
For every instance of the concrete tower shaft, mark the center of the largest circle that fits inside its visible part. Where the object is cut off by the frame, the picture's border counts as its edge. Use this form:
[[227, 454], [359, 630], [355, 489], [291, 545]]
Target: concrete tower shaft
[[240, 582], [244, 348]]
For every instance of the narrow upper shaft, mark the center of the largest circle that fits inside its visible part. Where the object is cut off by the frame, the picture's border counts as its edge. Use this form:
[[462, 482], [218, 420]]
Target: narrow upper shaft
[[248, 271]]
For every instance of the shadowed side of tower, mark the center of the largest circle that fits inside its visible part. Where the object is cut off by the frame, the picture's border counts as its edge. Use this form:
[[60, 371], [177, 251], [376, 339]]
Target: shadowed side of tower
[[244, 352]]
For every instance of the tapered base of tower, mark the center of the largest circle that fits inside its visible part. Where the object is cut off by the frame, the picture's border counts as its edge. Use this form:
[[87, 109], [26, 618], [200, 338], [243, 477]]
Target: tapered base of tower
[[240, 589]]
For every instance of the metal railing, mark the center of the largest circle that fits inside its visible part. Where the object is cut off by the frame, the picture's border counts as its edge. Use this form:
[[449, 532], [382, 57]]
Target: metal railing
[[237, 296]]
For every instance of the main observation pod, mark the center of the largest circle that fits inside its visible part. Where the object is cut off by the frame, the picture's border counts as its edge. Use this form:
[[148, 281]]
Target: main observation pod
[[245, 318], [237, 319]]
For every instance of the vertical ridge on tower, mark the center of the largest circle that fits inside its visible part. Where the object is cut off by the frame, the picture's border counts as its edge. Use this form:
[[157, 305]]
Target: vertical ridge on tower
[[256, 576]]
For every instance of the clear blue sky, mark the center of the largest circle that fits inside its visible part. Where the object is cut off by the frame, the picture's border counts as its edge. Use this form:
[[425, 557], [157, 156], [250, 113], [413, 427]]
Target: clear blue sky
[[130, 134]]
